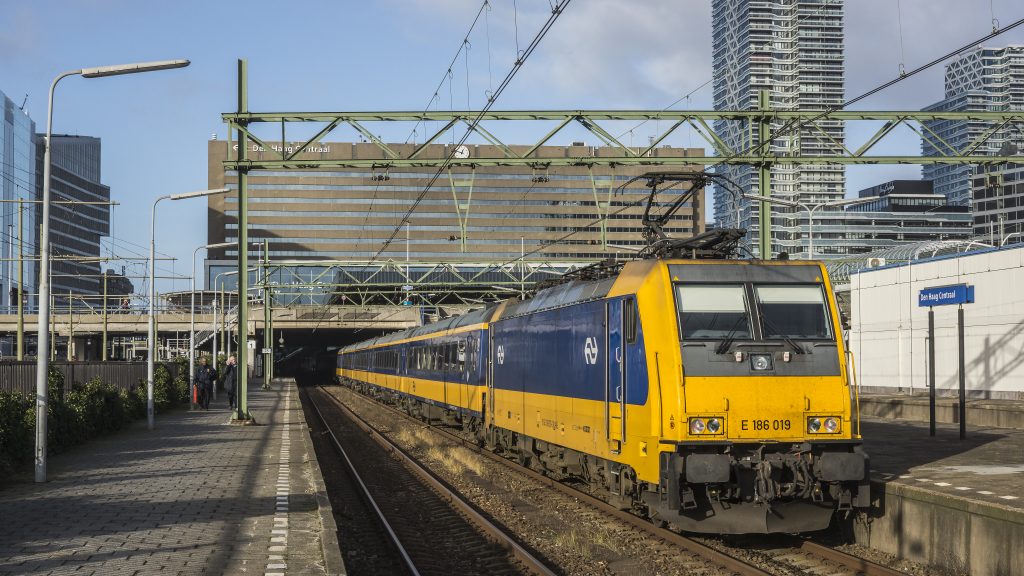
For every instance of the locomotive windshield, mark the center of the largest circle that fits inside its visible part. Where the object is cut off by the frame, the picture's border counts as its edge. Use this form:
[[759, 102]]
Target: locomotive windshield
[[730, 312], [714, 312], [797, 312]]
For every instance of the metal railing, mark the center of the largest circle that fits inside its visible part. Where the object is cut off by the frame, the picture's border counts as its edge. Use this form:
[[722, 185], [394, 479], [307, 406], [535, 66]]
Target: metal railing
[[20, 377]]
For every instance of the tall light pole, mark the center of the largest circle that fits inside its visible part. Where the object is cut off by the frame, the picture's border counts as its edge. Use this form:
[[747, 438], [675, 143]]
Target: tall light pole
[[151, 343], [192, 320], [43, 326], [811, 208]]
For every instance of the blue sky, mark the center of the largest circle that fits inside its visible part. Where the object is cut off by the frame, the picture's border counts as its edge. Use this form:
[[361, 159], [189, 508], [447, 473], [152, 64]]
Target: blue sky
[[390, 55]]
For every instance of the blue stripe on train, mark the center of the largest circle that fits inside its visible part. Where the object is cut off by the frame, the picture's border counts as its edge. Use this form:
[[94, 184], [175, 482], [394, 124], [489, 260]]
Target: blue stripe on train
[[547, 353]]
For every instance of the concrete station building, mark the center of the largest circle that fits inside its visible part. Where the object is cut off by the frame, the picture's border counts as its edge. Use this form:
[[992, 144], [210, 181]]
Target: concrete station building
[[889, 330], [490, 214]]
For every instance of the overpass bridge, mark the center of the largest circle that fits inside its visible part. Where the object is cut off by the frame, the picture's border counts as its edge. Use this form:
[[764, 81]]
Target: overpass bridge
[[89, 329]]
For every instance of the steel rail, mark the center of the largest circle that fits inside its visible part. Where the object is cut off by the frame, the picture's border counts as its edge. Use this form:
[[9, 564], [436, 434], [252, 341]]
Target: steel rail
[[366, 494], [855, 563], [502, 537], [704, 551]]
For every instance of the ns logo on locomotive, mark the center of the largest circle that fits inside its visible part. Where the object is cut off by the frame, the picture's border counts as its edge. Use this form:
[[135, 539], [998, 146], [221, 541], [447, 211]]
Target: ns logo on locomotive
[[707, 392]]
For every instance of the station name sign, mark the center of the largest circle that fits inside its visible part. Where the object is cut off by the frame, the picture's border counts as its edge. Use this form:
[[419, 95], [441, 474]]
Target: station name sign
[[946, 295], [315, 148]]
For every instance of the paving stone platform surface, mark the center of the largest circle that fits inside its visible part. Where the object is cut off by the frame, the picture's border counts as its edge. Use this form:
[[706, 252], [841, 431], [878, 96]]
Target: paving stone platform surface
[[987, 466], [193, 496]]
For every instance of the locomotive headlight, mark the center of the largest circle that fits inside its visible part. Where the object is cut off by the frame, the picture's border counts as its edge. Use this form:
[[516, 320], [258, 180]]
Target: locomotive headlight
[[714, 425], [823, 425], [760, 362], [696, 426], [700, 426], [831, 425]]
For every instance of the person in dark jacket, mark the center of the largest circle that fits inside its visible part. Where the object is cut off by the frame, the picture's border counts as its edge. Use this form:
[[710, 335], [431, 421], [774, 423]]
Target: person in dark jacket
[[231, 379], [204, 378]]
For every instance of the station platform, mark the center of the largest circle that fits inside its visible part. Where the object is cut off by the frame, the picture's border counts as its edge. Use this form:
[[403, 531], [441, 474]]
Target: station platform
[[957, 504], [194, 496], [1001, 413]]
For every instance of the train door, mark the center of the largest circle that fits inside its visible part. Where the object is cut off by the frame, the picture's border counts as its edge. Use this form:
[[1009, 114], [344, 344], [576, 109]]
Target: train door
[[446, 368], [615, 376], [489, 378]]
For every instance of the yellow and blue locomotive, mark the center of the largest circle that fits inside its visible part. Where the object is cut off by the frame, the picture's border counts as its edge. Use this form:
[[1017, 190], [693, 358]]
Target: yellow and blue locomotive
[[708, 393], [712, 395]]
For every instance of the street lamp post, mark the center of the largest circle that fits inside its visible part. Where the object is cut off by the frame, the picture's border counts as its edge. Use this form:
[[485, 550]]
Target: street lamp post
[[192, 322], [151, 360], [42, 362], [811, 208]]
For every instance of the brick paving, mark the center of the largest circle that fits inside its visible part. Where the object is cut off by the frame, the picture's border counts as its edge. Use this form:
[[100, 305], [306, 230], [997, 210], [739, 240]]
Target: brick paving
[[194, 496]]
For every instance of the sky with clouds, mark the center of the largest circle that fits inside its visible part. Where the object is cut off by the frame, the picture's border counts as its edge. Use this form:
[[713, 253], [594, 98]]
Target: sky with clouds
[[391, 55]]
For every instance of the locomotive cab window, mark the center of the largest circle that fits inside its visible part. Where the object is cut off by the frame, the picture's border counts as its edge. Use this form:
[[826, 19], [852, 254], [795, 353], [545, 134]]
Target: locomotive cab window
[[713, 312], [797, 312]]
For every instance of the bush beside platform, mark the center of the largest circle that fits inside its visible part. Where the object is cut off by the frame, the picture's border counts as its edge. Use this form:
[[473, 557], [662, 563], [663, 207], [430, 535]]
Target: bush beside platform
[[86, 411]]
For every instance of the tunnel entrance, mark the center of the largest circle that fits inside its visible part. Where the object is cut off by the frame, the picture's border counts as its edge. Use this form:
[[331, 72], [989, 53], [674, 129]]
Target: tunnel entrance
[[310, 356]]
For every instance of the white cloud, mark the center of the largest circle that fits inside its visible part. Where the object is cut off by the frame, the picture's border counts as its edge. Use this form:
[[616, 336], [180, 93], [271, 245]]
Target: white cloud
[[627, 53]]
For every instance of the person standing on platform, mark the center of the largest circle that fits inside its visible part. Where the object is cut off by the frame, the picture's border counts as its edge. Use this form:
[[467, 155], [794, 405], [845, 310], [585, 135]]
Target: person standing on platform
[[204, 378], [231, 379]]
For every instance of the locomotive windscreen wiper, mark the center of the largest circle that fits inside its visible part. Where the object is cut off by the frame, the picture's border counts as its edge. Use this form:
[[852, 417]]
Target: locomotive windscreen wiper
[[724, 345], [765, 322]]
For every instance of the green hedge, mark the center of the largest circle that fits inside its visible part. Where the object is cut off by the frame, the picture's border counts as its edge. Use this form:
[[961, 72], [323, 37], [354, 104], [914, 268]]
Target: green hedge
[[85, 412]]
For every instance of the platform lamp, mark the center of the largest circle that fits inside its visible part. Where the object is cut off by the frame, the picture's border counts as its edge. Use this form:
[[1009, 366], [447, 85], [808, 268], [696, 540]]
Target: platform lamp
[[151, 343], [43, 326], [192, 319]]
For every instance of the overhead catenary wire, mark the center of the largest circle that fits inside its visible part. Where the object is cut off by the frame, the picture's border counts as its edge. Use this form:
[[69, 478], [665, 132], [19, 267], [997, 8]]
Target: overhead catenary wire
[[448, 70], [556, 11], [795, 125]]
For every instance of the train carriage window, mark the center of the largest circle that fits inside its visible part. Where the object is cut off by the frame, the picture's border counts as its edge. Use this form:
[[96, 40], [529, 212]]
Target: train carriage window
[[793, 312], [713, 312]]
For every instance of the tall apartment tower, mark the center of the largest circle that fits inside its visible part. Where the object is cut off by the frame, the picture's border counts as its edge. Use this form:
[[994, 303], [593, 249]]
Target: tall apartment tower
[[793, 49], [983, 79]]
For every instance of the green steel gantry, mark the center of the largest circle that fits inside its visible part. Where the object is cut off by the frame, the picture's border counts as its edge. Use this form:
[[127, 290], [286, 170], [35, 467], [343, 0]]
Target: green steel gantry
[[756, 151], [758, 125]]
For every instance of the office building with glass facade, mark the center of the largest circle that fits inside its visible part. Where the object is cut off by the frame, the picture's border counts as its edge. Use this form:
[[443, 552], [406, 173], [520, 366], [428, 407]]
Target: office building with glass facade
[[487, 214], [17, 182], [75, 228], [905, 212]]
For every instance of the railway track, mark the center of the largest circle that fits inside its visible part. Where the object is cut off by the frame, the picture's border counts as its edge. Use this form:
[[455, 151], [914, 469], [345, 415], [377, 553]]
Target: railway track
[[795, 556], [428, 527], [369, 544]]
